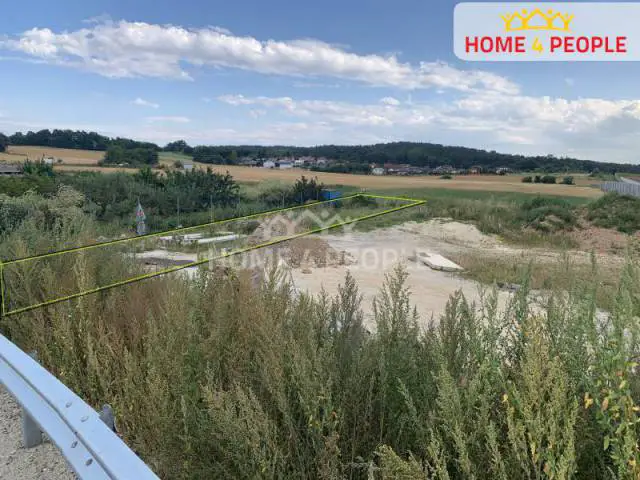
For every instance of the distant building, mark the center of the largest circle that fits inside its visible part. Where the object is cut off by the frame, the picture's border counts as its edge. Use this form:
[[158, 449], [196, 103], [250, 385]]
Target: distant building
[[378, 171], [269, 164], [10, 170], [299, 162], [475, 170], [48, 160], [188, 166], [285, 165]]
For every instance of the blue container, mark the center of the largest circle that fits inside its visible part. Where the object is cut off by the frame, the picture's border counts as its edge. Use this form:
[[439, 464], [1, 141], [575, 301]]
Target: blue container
[[331, 194]]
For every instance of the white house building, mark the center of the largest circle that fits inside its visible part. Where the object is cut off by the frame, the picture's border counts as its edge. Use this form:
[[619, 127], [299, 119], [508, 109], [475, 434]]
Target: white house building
[[269, 164], [285, 165], [188, 166], [378, 171]]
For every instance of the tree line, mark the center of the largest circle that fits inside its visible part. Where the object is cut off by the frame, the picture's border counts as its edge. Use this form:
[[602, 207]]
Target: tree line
[[75, 139], [355, 158]]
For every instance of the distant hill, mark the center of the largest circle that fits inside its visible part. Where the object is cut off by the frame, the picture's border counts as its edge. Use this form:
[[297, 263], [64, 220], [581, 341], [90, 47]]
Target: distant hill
[[359, 156]]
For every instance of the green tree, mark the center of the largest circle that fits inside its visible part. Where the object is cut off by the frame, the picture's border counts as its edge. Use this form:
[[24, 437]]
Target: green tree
[[4, 141]]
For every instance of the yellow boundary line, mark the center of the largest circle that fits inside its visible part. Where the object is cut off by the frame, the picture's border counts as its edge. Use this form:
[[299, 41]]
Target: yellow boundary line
[[167, 232], [414, 203]]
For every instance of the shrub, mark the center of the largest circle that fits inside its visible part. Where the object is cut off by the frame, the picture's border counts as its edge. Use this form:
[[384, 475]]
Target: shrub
[[567, 181], [178, 164], [621, 212], [548, 179], [446, 176], [217, 377], [528, 179], [548, 214], [537, 179]]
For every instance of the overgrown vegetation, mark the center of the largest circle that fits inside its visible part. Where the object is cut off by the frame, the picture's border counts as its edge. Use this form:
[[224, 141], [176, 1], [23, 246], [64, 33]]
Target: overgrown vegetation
[[220, 378], [621, 212], [131, 157]]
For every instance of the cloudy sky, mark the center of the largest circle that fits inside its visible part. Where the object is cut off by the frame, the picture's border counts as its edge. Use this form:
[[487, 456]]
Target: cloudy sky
[[302, 73]]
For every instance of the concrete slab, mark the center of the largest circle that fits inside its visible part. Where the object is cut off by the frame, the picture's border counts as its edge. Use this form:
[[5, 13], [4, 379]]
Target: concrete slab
[[436, 261]]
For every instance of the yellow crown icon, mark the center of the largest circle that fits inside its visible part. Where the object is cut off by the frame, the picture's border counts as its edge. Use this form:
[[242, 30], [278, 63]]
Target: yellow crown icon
[[525, 21]]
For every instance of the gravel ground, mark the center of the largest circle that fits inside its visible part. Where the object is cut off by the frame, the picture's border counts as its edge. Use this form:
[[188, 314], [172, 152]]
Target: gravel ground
[[43, 462]]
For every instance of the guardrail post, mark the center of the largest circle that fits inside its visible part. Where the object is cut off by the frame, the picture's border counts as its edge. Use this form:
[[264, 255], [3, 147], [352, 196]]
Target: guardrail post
[[107, 416], [31, 433]]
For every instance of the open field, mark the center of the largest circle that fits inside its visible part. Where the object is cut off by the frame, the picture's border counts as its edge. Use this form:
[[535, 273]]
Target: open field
[[68, 155], [78, 160], [511, 183], [493, 183]]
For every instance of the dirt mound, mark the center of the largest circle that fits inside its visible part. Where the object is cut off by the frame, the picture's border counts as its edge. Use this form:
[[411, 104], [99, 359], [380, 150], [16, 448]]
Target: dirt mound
[[273, 227], [313, 252], [604, 240], [450, 231]]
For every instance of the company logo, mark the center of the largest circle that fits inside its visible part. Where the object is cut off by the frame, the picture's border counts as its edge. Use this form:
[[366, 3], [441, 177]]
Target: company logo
[[527, 21], [558, 31]]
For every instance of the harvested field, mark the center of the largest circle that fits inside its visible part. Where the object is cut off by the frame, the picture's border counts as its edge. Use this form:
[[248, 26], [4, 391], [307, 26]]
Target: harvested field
[[86, 160], [495, 183], [68, 155]]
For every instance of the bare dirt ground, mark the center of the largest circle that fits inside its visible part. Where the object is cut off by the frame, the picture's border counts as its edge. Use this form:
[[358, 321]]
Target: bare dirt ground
[[369, 256], [43, 462]]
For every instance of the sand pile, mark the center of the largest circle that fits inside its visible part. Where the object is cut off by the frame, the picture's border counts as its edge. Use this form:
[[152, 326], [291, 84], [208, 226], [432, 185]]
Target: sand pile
[[273, 227], [448, 231]]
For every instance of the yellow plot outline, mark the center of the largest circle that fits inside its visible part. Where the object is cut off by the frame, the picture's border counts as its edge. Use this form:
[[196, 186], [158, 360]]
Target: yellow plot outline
[[413, 203]]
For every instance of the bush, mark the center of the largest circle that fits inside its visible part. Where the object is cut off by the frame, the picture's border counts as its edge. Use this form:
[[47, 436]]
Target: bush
[[446, 176], [178, 164], [548, 215], [567, 181], [266, 383], [537, 179], [548, 179], [621, 212], [527, 179]]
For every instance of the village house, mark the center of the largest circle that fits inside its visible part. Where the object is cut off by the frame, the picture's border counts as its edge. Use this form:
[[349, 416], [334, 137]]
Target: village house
[[269, 164]]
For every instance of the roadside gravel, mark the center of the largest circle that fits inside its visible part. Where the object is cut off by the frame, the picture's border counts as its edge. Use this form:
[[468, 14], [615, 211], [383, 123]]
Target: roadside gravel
[[43, 462]]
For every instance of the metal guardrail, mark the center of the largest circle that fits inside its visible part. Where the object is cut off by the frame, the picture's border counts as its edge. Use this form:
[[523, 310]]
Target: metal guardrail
[[624, 188], [90, 447]]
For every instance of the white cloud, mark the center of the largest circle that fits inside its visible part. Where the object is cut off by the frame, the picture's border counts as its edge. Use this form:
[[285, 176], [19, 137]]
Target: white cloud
[[169, 119], [598, 129], [144, 103], [137, 49], [390, 101]]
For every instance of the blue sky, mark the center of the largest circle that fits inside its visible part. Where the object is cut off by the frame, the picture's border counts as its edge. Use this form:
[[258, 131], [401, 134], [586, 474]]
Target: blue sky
[[303, 73]]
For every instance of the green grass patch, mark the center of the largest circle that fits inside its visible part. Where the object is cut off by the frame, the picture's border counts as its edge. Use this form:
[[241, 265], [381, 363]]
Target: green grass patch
[[621, 212]]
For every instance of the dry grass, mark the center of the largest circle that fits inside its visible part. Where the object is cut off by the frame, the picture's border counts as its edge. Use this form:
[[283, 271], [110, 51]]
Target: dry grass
[[78, 157], [82, 168], [491, 183], [507, 183], [79, 160]]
